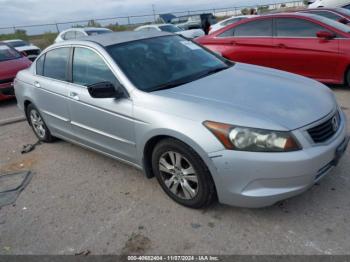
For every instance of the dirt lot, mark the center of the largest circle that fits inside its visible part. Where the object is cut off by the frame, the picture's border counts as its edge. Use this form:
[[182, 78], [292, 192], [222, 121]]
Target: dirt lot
[[79, 200]]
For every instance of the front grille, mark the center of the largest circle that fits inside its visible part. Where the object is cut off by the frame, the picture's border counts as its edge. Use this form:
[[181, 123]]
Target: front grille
[[8, 80], [32, 52], [325, 130]]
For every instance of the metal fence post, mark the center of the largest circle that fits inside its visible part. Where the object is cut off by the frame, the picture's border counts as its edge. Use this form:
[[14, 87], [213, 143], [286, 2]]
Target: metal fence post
[[128, 20]]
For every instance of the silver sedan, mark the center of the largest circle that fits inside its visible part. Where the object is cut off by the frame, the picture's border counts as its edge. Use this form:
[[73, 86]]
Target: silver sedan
[[205, 127]]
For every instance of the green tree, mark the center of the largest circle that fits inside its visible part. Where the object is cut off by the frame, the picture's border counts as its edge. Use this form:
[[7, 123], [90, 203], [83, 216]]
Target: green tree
[[245, 11]]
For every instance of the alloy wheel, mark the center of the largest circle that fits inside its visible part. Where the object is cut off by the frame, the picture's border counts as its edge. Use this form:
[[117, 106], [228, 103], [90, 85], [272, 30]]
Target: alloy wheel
[[178, 175], [37, 123]]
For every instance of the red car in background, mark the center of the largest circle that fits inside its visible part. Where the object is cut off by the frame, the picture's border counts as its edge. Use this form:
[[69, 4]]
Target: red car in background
[[11, 61], [305, 44]]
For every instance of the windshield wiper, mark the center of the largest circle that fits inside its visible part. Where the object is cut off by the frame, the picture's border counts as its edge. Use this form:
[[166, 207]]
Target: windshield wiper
[[186, 80]]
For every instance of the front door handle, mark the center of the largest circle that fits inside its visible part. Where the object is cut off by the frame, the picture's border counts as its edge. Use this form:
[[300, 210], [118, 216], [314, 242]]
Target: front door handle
[[74, 96], [281, 46], [37, 84]]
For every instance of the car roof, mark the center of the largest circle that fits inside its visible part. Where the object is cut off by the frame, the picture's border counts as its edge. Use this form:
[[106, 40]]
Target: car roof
[[118, 37]]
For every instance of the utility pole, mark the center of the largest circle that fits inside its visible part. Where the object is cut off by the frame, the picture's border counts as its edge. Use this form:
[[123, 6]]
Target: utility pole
[[154, 12]]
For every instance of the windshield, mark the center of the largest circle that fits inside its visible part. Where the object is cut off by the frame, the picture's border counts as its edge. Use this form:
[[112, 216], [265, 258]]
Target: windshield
[[164, 62], [7, 53], [17, 43], [339, 26], [170, 28], [98, 32]]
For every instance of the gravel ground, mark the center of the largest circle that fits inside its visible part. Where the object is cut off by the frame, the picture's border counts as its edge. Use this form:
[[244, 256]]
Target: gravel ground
[[81, 201]]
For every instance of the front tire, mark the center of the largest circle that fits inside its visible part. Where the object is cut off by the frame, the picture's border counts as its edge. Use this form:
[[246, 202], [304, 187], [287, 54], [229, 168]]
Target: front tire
[[182, 174], [38, 125]]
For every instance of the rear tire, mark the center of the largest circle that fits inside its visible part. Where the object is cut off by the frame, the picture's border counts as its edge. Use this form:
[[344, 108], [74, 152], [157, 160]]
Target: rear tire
[[182, 174], [38, 125], [347, 78]]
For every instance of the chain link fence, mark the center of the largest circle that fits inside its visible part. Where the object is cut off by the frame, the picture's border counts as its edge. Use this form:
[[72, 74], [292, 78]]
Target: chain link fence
[[131, 21]]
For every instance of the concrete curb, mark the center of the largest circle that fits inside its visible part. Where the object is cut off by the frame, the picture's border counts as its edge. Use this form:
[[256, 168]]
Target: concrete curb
[[12, 120]]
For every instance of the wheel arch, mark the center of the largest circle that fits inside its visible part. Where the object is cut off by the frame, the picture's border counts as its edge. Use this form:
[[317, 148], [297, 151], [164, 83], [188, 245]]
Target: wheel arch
[[155, 138]]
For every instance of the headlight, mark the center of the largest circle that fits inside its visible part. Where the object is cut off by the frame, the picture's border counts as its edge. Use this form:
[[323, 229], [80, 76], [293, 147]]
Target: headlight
[[252, 139]]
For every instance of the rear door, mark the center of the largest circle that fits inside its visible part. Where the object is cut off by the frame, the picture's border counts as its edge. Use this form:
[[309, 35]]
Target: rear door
[[104, 124], [51, 87], [250, 42], [299, 50]]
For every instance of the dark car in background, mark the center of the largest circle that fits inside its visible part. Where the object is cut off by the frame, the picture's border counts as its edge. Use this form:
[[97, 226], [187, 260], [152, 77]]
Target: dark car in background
[[341, 15], [11, 61], [304, 44], [27, 49]]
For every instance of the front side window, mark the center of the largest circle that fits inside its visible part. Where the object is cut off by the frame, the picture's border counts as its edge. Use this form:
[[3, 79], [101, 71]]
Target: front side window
[[8, 53], [256, 28], [293, 27], [56, 62], [164, 62], [89, 68], [79, 34], [327, 14]]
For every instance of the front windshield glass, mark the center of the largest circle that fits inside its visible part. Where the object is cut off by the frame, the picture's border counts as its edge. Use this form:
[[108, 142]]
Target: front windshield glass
[[17, 43], [164, 62], [7, 53], [170, 28]]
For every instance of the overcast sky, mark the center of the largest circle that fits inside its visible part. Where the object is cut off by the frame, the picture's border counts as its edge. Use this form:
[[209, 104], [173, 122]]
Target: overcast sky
[[19, 12]]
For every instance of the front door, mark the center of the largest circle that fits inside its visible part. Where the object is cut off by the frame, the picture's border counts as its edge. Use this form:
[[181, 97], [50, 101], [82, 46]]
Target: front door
[[103, 124], [298, 50]]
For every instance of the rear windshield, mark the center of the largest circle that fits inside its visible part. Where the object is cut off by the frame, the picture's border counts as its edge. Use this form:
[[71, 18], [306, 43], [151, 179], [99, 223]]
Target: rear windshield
[[8, 53], [17, 43]]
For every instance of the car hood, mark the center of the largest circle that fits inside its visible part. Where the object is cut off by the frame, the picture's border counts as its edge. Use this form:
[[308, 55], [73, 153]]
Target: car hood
[[9, 68], [254, 96]]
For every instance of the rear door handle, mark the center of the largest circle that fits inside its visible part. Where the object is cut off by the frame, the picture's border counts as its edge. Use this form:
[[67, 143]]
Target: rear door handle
[[281, 46], [74, 96], [37, 84]]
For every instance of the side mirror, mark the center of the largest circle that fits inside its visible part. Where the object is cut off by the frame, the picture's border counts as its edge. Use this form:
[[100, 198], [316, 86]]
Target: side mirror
[[343, 20], [105, 90], [325, 35]]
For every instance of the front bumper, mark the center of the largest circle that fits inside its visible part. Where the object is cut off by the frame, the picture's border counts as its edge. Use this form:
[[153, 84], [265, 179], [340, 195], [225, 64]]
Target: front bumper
[[250, 179]]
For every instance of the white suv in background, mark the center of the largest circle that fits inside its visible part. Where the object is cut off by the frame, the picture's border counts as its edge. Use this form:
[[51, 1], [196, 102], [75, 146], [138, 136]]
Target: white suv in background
[[329, 3], [76, 33]]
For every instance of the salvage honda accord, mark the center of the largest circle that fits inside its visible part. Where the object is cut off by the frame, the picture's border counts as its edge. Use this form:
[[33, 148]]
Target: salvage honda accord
[[204, 126]]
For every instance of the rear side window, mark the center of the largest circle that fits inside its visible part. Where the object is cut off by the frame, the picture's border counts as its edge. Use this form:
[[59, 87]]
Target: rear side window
[[257, 28], [89, 68], [40, 65], [293, 27], [56, 62]]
